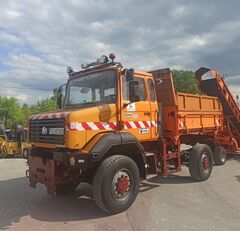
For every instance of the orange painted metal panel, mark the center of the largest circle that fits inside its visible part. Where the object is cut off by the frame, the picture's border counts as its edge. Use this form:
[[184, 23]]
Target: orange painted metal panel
[[198, 113]]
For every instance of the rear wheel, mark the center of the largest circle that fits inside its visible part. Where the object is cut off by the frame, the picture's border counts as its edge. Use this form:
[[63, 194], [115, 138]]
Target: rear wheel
[[115, 184], [220, 155], [200, 162], [3, 152]]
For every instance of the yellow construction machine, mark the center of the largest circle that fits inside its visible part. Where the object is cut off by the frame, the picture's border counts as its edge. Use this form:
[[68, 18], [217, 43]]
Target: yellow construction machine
[[13, 142]]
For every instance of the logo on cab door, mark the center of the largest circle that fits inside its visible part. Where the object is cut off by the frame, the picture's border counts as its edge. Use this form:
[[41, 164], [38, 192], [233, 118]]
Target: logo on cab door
[[131, 107]]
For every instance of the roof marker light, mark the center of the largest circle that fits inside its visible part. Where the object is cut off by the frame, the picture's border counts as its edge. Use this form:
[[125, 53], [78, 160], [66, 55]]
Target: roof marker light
[[112, 57], [104, 59]]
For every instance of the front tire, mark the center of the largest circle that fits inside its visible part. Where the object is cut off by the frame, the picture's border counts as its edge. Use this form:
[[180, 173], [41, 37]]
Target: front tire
[[200, 162], [115, 184]]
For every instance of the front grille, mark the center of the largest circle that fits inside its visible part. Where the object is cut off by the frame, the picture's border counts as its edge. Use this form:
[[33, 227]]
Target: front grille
[[36, 128]]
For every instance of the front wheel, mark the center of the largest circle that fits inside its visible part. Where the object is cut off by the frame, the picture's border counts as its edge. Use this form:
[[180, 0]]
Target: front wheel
[[115, 184], [200, 162]]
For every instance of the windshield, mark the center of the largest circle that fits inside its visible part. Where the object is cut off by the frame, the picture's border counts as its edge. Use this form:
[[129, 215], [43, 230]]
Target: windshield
[[93, 89]]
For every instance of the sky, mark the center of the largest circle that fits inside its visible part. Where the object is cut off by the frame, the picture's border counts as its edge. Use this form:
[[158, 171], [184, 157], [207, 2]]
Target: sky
[[39, 39]]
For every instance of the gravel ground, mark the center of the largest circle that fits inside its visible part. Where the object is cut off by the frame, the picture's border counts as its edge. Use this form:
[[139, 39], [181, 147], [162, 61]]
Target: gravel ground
[[164, 203]]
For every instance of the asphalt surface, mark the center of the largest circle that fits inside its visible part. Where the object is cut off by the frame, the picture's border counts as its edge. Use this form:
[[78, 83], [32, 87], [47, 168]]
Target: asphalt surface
[[172, 203]]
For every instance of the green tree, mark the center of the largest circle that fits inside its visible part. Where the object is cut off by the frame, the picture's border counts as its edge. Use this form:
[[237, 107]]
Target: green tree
[[26, 112], [184, 81], [44, 105], [47, 104], [10, 112]]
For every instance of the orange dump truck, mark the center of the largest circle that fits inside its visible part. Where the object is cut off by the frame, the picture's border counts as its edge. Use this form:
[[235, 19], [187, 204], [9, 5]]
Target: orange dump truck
[[116, 126]]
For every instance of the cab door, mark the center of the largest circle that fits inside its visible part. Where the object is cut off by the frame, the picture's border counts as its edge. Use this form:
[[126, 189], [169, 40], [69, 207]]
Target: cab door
[[153, 108], [136, 116]]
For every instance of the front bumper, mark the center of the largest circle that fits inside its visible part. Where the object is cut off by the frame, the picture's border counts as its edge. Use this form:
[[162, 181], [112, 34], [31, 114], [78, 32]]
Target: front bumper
[[42, 171], [54, 170]]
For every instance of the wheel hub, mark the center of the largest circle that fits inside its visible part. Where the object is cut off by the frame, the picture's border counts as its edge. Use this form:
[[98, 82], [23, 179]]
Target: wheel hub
[[121, 185], [205, 162]]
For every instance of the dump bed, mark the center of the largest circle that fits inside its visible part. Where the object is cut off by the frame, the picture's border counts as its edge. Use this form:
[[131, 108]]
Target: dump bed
[[184, 113], [198, 113]]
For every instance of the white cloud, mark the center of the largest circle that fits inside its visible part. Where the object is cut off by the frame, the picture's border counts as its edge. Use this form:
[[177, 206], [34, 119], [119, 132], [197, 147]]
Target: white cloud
[[15, 94], [179, 11], [44, 37], [13, 14], [7, 39]]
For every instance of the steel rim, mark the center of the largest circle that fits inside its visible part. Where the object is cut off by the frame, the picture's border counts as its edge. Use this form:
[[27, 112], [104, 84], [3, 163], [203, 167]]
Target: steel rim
[[205, 163], [121, 185]]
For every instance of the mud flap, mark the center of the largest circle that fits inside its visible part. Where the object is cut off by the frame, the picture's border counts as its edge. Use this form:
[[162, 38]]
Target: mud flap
[[42, 171]]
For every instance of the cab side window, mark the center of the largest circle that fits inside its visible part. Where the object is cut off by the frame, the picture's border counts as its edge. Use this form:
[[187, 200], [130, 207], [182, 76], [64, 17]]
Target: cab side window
[[140, 89], [151, 90]]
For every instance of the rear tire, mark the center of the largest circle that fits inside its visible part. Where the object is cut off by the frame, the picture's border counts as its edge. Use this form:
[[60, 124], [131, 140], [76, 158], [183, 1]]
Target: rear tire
[[115, 184], [220, 155], [200, 162]]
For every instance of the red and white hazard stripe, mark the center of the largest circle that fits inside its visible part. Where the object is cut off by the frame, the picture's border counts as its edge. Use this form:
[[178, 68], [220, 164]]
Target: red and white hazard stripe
[[58, 115], [96, 126], [93, 126], [139, 124]]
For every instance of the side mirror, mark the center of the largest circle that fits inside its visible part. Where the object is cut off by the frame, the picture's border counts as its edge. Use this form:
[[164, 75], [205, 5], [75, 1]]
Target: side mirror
[[61, 95], [130, 75], [133, 91]]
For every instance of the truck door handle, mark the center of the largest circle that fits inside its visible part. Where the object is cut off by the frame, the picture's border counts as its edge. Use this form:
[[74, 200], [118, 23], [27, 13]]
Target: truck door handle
[[147, 113]]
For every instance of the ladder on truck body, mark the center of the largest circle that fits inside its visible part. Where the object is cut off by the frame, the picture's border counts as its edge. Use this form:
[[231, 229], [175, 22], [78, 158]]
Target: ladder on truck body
[[216, 86]]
